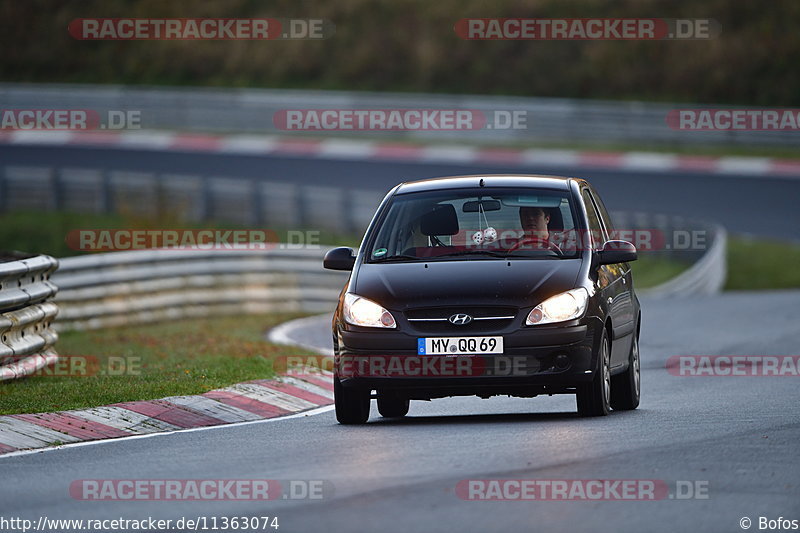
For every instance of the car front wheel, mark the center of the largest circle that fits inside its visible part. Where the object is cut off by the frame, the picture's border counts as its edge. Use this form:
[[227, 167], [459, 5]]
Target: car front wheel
[[593, 397], [352, 404]]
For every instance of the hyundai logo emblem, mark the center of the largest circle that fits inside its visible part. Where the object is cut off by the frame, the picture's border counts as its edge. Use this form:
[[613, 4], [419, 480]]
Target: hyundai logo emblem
[[460, 319]]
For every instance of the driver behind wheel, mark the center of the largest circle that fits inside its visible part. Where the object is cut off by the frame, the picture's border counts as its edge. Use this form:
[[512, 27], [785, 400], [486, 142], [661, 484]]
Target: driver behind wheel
[[535, 233]]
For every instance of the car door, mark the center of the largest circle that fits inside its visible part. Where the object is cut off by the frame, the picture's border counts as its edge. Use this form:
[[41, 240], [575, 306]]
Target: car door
[[613, 282]]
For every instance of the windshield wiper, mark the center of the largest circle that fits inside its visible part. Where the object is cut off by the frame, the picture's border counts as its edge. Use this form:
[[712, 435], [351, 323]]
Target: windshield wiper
[[506, 254], [474, 252], [393, 258]]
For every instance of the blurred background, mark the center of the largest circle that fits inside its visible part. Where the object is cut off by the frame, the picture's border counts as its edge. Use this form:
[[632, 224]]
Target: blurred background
[[208, 151]]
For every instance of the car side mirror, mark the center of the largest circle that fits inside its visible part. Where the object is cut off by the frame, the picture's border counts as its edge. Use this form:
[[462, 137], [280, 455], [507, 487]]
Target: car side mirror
[[614, 252], [342, 258]]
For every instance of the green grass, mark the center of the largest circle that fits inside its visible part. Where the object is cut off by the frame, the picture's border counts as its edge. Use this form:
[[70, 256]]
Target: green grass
[[649, 271], [759, 265], [183, 357], [45, 232]]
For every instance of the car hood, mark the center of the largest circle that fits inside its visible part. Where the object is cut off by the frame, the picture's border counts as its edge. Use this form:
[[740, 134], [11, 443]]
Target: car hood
[[517, 283]]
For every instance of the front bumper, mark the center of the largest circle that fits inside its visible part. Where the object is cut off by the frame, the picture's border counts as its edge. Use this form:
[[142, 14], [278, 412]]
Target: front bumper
[[535, 360]]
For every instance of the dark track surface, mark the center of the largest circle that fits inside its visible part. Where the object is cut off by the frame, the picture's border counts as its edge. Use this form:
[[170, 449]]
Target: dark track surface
[[739, 434], [757, 205]]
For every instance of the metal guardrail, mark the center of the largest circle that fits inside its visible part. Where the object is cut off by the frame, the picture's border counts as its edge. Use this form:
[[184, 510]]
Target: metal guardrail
[[26, 314], [705, 276], [122, 288], [252, 111]]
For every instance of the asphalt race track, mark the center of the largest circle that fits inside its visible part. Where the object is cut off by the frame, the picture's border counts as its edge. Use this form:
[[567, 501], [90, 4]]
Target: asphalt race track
[[757, 205], [735, 438]]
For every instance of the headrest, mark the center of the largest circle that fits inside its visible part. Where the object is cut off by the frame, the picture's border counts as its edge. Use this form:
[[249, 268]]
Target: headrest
[[442, 220], [556, 220]]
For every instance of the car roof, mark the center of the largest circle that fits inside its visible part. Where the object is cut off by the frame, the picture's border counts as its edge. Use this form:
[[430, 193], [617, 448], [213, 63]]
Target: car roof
[[537, 181]]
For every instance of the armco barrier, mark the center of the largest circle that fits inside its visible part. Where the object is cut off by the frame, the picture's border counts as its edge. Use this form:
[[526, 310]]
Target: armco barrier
[[252, 111], [705, 276], [707, 256], [26, 314], [120, 288]]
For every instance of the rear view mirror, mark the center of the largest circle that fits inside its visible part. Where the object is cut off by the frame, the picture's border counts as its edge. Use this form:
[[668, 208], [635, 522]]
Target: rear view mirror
[[339, 259], [614, 252], [545, 202], [488, 205]]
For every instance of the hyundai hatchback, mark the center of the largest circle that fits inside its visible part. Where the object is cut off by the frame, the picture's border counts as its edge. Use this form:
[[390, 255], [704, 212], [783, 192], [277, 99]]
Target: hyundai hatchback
[[486, 285]]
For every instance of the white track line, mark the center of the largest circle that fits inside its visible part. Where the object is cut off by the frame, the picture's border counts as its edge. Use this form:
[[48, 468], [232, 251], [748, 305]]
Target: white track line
[[310, 412]]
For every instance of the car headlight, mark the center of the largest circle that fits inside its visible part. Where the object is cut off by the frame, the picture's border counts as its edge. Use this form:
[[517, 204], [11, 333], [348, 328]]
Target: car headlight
[[362, 312], [558, 308]]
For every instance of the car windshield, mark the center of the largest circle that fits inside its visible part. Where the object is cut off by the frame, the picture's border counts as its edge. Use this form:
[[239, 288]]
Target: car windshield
[[476, 223]]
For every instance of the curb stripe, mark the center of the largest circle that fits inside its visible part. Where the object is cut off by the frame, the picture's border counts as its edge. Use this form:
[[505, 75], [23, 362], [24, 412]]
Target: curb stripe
[[71, 425], [287, 388], [601, 159], [124, 419], [210, 407], [186, 141], [310, 387], [5, 448], [785, 166], [256, 407], [171, 413], [394, 151], [275, 398], [297, 146], [501, 156], [316, 380], [397, 151], [448, 154], [21, 434], [697, 162]]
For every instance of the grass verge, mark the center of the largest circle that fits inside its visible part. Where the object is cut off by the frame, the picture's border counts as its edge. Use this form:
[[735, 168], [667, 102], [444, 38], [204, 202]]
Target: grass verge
[[45, 232], [650, 271], [183, 357], [759, 265]]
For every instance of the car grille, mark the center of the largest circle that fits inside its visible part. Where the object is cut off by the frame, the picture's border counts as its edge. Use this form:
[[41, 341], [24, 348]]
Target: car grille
[[484, 319]]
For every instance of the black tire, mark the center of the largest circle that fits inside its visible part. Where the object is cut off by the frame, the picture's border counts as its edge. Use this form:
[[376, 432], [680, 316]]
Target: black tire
[[392, 406], [352, 404], [594, 398], [626, 387]]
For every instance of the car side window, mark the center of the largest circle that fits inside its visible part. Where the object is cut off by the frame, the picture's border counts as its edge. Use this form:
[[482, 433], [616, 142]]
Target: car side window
[[595, 228], [601, 208]]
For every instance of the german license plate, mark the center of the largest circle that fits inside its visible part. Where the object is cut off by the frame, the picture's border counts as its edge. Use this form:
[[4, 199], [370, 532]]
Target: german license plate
[[459, 345]]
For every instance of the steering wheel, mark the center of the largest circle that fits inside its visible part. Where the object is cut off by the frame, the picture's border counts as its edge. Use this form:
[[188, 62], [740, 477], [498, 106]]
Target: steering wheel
[[536, 241]]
